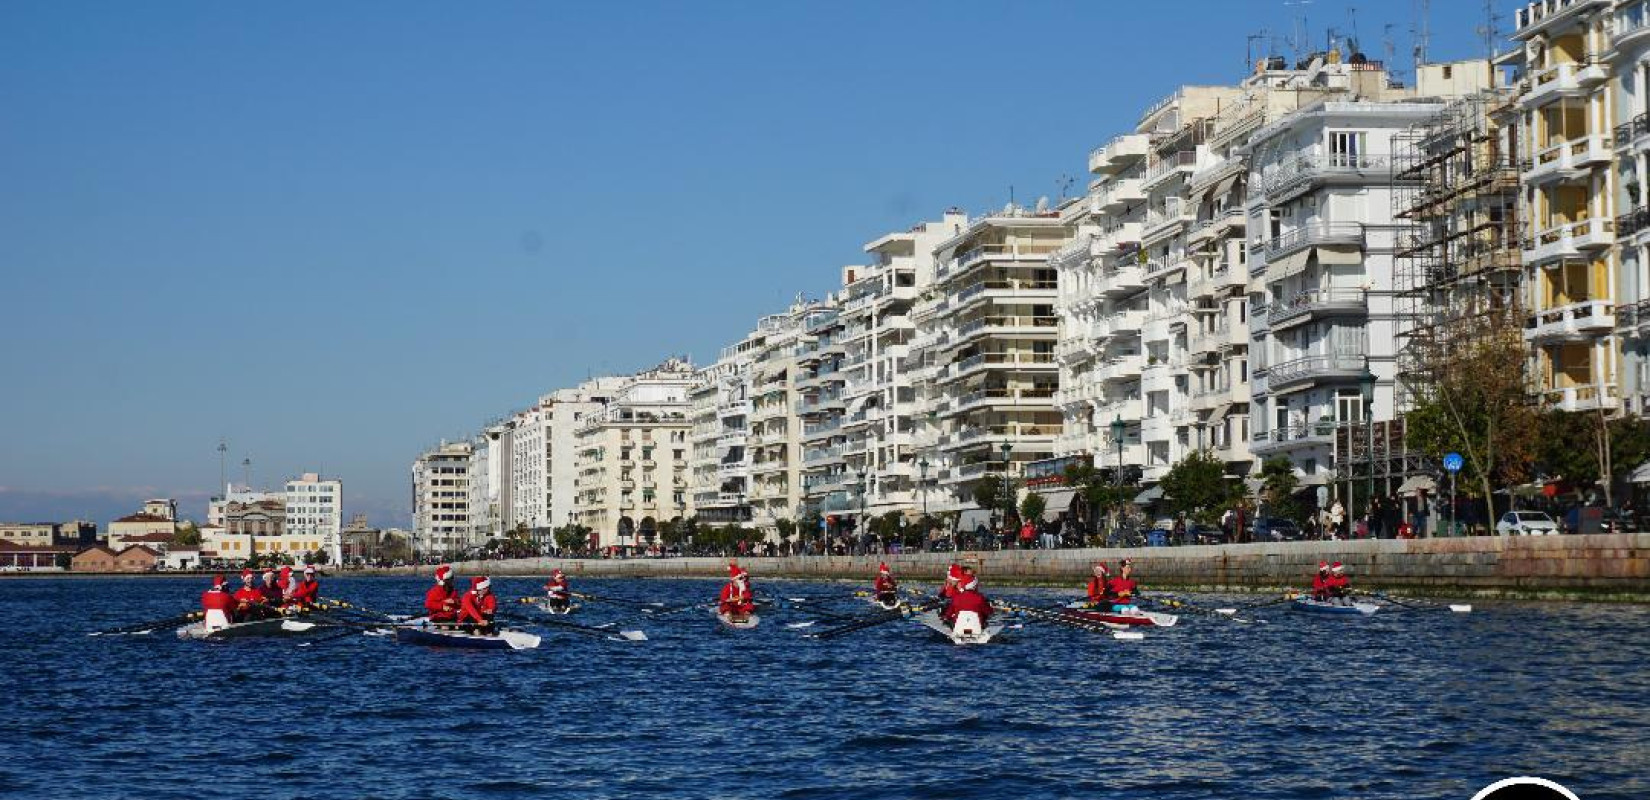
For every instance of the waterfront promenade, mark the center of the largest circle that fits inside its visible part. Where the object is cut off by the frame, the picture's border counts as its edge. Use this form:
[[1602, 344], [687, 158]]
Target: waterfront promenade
[[1595, 566]]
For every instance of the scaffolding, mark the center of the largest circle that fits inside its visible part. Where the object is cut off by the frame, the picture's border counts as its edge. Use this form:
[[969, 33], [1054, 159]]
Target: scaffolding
[[1458, 263]]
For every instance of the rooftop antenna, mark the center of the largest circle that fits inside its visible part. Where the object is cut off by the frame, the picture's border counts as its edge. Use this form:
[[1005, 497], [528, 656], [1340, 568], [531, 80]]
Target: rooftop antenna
[[1065, 183], [1249, 48], [1490, 29], [246, 467], [223, 466], [1299, 42], [1352, 22], [1421, 31]]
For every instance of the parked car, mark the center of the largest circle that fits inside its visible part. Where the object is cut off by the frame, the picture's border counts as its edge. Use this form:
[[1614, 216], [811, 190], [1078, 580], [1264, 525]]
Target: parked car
[[1276, 529], [1205, 534], [1526, 523]]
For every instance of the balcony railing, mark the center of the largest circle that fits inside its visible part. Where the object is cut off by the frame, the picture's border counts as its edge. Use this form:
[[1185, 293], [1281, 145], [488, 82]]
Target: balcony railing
[[1318, 301], [1028, 285], [1185, 159], [1633, 221], [1632, 129], [1007, 322], [1579, 318], [1301, 171], [1315, 234], [1321, 366]]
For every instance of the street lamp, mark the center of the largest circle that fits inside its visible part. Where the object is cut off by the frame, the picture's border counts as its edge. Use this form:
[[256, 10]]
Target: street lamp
[[1008, 490], [1366, 383], [922, 467], [1117, 438]]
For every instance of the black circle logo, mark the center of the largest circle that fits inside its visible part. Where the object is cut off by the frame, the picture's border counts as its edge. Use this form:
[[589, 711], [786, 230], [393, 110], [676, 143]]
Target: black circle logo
[[1525, 789]]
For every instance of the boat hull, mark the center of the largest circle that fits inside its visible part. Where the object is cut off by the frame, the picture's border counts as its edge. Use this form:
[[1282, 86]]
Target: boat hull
[[427, 636], [256, 629], [1311, 606], [739, 625], [932, 620], [1123, 619], [546, 607]]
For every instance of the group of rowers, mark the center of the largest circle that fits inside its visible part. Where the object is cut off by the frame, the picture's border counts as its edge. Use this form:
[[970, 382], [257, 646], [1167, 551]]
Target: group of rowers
[[278, 593], [473, 610], [1331, 585]]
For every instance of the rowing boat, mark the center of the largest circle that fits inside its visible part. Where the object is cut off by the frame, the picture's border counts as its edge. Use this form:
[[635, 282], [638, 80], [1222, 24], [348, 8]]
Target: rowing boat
[[875, 601], [1128, 617], [547, 607], [956, 633], [1304, 603], [258, 628], [421, 632], [750, 621]]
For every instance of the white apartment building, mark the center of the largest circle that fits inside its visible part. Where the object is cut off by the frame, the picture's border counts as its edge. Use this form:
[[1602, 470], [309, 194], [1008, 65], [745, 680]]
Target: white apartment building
[[720, 403], [633, 459], [775, 438], [826, 481], [529, 470], [441, 499], [245, 495], [486, 519], [1630, 62], [986, 331], [315, 507]]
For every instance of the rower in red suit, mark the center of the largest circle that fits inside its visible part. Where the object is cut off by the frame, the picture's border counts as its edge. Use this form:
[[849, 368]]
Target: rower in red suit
[[1099, 588], [308, 591], [287, 584], [1123, 587], [967, 598], [737, 601], [1320, 582], [952, 577], [1338, 585], [216, 605], [886, 588], [479, 605], [272, 588], [441, 601], [556, 591], [249, 599]]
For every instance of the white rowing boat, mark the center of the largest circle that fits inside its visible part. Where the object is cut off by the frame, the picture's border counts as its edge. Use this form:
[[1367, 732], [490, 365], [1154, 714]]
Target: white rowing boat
[[963, 632], [544, 604], [258, 628], [747, 623]]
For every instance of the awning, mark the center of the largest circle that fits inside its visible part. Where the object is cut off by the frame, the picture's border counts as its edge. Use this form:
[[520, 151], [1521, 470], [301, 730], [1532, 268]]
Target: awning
[[1226, 184], [1416, 483], [1344, 254], [1219, 412], [972, 519], [1057, 502], [1641, 475], [1279, 268], [1154, 493]]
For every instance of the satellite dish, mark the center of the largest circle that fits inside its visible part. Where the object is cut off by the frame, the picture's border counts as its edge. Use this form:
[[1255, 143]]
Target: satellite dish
[[1042, 204]]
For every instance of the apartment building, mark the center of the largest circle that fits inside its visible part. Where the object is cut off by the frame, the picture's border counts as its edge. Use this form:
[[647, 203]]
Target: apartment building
[[315, 507], [1630, 62], [1569, 201], [633, 454], [721, 412], [441, 499], [827, 485], [775, 439], [986, 331], [542, 459]]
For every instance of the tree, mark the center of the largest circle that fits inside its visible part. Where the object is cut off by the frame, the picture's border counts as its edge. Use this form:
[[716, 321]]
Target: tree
[[1031, 508], [786, 528], [1278, 485], [988, 493], [186, 535], [1576, 447], [1198, 486], [1472, 400], [572, 538]]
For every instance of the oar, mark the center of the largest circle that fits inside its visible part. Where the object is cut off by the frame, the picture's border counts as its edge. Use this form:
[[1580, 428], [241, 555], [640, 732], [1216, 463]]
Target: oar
[[343, 634], [1286, 597], [646, 606], [1181, 605], [1070, 620], [592, 630], [874, 620], [142, 628], [1458, 608]]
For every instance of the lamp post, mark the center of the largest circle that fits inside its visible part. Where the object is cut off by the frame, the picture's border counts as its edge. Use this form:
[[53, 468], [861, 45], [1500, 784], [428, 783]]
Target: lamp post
[[1366, 383], [1117, 438], [922, 468], [1008, 488]]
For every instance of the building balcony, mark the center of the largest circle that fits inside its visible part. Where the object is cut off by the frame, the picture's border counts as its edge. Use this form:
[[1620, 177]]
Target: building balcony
[[1158, 376], [1299, 175], [1582, 398], [1317, 434], [1018, 291], [1219, 224], [738, 408], [1075, 254], [1633, 223], [1574, 79], [1204, 342], [1013, 325], [1161, 222], [1569, 159], [1122, 368], [1318, 304], [1315, 368], [1319, 234], [1165, 169], [1577, 321], [994, 253], [1124, 279], [1634, 133], [1543, 14], [1119, 153], [1014, 361], [973, 435], [1118, 194], [1570, 240], [1005, 397]]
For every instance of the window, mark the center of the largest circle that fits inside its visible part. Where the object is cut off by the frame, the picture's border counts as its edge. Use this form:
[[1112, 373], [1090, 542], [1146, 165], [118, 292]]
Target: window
[[1346, 148]]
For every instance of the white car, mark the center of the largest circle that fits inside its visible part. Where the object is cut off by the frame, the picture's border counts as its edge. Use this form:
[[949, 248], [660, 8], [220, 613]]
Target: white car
[[1526, 523]]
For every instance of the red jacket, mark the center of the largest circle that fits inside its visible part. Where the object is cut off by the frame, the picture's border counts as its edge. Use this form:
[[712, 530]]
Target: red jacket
[[306, 593], [735, 598], [1122, 589], [478, 609], [1320, 585], [272, 592], [967, 600], [556, 589], [886, 583], [1099, 591], [441, 603], [1337, 584], [217, 600]]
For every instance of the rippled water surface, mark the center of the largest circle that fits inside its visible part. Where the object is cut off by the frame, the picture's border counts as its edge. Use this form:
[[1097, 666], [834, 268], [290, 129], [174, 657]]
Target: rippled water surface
[[1403, 704]]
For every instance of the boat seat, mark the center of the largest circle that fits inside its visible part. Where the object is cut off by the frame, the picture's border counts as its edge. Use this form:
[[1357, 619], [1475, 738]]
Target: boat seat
[[967, 624]]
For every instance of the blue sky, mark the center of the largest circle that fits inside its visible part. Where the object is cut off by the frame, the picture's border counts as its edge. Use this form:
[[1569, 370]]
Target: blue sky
[[334, 233]]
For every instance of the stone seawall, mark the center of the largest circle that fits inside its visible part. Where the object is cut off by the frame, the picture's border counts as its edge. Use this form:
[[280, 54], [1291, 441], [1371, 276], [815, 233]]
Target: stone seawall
[[1600, 566]]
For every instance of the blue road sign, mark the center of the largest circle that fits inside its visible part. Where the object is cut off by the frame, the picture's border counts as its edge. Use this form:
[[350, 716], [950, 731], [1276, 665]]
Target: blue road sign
[[1453, 462]]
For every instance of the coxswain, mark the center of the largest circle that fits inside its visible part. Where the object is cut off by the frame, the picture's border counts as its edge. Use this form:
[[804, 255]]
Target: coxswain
[[249, 599], [736, 602], [1339, 585], [308, 591], [441, 601], [967, 598], [272, 588], [886, 588], [288, 585], [1320, 582], [557, 594], [479, 605], [1123, 587], [1099, 588], [216, 605]]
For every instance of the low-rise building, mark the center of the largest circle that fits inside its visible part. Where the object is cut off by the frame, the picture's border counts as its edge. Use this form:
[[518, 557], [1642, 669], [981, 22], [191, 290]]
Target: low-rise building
[[32, 557], [135, 558], [139, 527], [28, 534]]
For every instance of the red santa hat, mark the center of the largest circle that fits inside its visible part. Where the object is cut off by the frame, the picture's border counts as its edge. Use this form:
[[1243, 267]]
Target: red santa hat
[[557, 574], [480, 582], [1323, 566], [1100, 568], [954, 574], [246, 574], [309, 569], [443, 573], [268, 571], [217, 582], [882, 569], [970, 582], [1336, 567], [286, 570]]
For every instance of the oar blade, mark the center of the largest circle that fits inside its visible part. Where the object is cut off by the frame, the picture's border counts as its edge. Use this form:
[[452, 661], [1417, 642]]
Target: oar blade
[[1128, 636], [634, 636], [1461, 608]]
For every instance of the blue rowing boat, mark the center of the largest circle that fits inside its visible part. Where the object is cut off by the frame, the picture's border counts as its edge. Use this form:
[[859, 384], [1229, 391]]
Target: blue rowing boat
[[1305, 603]]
